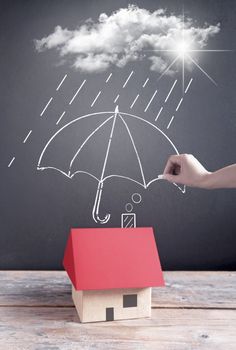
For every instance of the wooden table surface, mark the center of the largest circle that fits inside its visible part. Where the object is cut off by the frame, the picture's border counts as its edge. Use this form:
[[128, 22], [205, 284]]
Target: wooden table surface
[[196, 310]]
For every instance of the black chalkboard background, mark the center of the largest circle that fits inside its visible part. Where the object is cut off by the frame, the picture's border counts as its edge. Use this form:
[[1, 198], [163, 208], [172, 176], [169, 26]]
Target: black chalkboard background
[[195, 230]]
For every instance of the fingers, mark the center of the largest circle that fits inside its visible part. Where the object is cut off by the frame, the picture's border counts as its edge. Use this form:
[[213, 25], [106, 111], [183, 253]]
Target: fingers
[[168, 177], [168, 167], [173, 171], [172, 178], [173, 162]]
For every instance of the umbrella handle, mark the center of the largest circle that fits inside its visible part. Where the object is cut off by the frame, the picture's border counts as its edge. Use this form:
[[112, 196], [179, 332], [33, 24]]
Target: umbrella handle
[[96, 206]]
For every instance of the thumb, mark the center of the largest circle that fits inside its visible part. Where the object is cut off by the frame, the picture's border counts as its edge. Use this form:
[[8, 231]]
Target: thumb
[[170, 178]]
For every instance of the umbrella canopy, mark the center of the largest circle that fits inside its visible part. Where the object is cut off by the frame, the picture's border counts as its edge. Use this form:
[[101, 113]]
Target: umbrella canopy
[[105, 145]]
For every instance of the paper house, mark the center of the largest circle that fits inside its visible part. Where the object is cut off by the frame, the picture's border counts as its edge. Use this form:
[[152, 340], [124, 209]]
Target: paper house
[[112, 271]]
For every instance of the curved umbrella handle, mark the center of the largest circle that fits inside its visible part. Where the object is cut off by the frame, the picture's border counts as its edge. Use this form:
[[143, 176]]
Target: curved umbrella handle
[[96, 206]]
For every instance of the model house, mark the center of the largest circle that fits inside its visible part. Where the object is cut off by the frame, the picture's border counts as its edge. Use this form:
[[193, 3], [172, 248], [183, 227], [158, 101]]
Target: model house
[[112, 271]]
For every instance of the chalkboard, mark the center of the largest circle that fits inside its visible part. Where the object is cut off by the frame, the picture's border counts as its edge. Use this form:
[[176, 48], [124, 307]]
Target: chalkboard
[[95, 96]]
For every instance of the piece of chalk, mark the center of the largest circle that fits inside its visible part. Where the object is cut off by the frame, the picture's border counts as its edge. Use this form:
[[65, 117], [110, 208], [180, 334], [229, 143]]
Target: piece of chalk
[[161, 177]]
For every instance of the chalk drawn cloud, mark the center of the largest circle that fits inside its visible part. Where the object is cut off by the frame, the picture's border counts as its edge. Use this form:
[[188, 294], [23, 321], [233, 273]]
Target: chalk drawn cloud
[[125, 36]]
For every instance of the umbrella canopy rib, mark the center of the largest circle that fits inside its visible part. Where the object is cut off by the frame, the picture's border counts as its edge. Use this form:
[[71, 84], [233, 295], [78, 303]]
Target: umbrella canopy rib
[[108, 146], [86, 140], [136, 151]]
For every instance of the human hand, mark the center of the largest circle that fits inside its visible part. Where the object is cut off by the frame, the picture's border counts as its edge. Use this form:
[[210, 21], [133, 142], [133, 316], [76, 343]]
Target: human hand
[[185, 169]]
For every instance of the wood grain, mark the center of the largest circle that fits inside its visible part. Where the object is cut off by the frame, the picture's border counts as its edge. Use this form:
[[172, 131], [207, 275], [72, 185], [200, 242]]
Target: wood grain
[[58, 328], [183, 289], [195, 311], [196, 289]]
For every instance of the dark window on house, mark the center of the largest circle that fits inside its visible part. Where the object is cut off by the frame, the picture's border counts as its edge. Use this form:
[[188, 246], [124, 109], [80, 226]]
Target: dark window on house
[[130, 300], [110, 314]]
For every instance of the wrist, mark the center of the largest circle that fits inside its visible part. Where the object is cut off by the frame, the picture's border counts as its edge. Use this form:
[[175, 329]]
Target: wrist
[[207, 180]]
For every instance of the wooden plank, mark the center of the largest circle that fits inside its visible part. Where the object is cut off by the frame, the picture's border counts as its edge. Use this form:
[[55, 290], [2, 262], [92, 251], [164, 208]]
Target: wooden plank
[[43, 328], [183, 289], [35, 288], [197, 289]]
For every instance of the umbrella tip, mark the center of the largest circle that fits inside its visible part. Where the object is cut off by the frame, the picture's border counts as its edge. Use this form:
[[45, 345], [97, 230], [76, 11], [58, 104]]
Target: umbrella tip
[[117, 109]]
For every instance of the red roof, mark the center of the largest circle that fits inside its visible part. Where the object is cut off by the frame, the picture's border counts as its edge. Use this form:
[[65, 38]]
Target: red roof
[[106, 258]]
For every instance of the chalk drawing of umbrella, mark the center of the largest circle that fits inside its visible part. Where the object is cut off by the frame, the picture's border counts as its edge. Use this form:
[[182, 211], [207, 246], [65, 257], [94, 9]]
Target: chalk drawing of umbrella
[[108, 144]]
